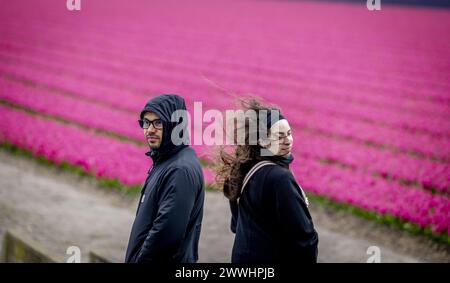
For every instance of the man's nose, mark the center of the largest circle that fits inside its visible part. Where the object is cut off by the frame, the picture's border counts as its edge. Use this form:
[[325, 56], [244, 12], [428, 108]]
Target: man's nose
[[150, 129]]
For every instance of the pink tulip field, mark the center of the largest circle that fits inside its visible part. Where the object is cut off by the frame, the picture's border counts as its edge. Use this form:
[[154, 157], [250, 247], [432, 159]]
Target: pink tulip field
[[367, 93]]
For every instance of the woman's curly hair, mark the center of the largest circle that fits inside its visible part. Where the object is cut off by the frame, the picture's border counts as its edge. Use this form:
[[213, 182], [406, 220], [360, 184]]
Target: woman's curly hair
[[235, 161]]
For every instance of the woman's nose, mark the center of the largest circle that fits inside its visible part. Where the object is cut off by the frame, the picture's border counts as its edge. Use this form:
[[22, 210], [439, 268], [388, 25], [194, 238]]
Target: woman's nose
[[287, 140]]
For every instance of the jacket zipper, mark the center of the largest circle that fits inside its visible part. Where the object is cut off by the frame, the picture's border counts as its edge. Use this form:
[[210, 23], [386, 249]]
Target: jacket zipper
[[145, 187]]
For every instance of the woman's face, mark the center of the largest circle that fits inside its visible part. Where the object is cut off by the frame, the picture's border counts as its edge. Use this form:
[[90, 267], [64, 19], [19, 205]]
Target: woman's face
[[280, 137]]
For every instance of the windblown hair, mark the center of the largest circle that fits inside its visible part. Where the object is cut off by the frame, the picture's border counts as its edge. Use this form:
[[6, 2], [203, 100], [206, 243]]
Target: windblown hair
[[234, 163]]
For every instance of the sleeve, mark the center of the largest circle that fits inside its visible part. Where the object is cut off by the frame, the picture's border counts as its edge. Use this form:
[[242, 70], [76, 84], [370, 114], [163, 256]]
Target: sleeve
[[294, 217], [234, 215], [234, 208], [176, 201]]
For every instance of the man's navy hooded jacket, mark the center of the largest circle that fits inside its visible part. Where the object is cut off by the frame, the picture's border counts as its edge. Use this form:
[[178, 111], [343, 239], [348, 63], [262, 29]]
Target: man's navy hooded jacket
[[169, 215]]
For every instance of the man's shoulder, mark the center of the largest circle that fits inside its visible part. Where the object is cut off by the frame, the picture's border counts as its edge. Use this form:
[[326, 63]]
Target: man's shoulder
[[185, 157], [186, 160], [187, 151]]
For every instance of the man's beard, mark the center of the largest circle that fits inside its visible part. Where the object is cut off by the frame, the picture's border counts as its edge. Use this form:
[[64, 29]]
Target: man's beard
[[154, 146]]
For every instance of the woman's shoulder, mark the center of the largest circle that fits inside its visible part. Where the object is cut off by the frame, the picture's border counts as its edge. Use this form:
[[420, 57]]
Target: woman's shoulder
[[276, 172]]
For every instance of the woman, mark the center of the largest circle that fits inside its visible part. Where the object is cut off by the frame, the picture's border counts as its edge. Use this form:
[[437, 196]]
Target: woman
[[270, 217]]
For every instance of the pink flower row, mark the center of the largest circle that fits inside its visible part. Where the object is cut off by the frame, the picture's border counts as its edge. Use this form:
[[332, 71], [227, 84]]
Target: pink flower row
[[300, 64], [378, 195], [361, 111], [103, 156], [428, 173], [361, 131]]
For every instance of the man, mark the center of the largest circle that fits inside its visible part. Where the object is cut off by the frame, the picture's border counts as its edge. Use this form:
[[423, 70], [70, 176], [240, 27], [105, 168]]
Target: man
[[169, 215]]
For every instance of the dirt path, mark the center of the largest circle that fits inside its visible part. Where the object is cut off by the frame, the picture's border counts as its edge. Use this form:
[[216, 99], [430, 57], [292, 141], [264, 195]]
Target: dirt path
[[58, 209]]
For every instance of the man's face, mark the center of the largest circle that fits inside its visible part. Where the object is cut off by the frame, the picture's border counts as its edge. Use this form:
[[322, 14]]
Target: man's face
[[153, 135]]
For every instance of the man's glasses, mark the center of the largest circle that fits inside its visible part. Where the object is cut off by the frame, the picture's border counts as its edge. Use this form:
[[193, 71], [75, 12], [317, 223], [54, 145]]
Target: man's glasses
[[157, 123]]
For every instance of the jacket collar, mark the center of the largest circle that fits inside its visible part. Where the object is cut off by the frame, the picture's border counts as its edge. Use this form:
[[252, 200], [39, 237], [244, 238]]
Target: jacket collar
[[158, 156]]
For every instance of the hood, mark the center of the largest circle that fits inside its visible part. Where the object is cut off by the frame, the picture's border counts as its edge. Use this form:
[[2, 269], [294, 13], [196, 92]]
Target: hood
[[164, 106]]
